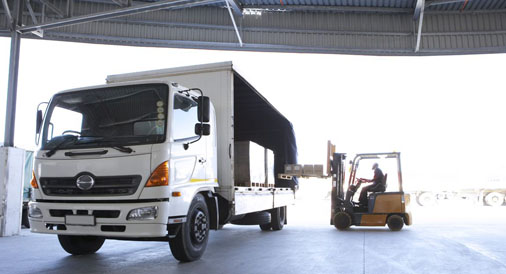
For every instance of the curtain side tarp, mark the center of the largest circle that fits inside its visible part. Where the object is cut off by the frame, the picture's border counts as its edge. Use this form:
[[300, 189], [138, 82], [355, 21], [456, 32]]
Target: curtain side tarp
[[255, 119]]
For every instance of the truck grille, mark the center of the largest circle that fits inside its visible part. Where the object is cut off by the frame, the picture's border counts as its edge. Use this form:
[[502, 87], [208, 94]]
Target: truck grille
[[96, 213], [114, 185]]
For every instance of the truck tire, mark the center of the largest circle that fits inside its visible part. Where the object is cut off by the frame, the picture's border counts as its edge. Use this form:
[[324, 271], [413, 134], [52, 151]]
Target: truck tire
[[494, 199], [255, 218], [395, 222], [80, 245], [278, 217], [342, 220], [191, 241], [265, 227], [24, 218], [426, 199]]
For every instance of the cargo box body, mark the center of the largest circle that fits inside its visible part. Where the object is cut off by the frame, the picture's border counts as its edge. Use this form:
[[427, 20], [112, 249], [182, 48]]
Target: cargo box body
[[242, 116]]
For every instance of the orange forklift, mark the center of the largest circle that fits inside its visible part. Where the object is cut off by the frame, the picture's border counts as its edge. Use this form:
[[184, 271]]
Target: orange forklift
[[382, 208]]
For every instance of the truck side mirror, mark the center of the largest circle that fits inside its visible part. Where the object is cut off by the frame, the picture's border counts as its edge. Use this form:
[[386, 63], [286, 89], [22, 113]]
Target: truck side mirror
[[38, 121], [202, 129], [203, 109]]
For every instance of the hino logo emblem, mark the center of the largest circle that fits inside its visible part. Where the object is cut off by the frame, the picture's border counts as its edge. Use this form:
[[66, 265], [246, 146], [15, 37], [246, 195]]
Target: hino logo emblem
[[85, 182]]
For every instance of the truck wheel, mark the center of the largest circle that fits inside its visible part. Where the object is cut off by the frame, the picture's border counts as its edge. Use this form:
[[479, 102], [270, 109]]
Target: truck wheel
[[191, 241], [426, 199], [265, 227], [81, 245], [342, 220], [278, 216], [494, 199], [395, 222], [255, 218], [24, 218]]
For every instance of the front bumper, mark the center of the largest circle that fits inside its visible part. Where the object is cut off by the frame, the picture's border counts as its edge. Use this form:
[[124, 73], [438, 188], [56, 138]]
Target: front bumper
[[108, 221]]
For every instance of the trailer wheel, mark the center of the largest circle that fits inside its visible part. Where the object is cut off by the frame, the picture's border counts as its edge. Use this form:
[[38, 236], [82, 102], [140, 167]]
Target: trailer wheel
[[191, 241], [255, 218], [342, 220], [80, 245], [395, 222], [278, 216], [265, 227], [494, 199], [426, 199]]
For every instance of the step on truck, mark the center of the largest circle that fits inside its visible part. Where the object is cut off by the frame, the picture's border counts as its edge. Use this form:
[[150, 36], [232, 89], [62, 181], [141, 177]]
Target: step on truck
[[155, 156]]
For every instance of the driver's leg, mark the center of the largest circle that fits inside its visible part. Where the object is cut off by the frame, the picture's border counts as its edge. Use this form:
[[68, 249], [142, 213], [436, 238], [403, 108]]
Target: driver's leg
[[363, 195]]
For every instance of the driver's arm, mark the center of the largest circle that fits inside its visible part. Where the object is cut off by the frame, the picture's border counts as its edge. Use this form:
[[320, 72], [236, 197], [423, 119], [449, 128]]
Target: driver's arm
[[374, 178]]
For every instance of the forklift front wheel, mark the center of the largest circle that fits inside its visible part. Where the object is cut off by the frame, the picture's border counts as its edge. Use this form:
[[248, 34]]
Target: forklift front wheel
[[342, 220], [395, 222]]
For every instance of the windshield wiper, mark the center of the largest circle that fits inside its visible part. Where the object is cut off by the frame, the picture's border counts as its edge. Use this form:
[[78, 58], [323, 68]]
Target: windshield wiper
[[65, 140], [104, 141], [122, 149]]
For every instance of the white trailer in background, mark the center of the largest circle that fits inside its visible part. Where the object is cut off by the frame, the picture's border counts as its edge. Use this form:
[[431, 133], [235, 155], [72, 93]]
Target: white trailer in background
[[150, 156], [492, 195]]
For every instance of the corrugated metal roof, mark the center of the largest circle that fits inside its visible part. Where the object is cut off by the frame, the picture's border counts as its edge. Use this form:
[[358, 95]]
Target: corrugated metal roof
[[335, 3], [470, 5], [450, 5], [375, 27], [434, 5]]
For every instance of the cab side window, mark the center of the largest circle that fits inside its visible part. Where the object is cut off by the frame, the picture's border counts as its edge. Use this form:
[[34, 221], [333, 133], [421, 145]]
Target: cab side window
[[184, 117]]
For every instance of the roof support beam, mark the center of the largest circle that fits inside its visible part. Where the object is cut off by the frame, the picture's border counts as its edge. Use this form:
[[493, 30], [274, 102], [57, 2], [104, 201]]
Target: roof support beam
[[8, 13], [39, 33], [70, 8], [443, 2], [52, 7], [123, 3], [306, 8], [167, 4], [235, 6], [420, 6], [233, 22]]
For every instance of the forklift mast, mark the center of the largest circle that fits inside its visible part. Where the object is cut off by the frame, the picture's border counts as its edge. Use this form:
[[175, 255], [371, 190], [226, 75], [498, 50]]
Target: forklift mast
[[338, 176]]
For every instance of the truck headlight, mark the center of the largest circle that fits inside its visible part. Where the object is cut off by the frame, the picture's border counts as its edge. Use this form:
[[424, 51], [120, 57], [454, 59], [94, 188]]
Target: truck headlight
[[34, 212], [143, 213]]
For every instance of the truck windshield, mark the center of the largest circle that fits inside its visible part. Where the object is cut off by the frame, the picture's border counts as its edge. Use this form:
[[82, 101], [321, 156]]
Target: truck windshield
[[113, 116]]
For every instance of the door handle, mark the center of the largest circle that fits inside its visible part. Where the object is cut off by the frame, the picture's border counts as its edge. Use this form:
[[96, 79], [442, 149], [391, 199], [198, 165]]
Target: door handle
[[202, 160]]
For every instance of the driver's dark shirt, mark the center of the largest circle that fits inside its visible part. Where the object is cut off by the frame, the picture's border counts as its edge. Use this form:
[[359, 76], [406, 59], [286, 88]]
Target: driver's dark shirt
[[378, 176]]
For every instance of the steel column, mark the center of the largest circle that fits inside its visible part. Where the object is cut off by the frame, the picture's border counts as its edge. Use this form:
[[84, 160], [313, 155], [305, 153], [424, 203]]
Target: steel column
[[12, 87]]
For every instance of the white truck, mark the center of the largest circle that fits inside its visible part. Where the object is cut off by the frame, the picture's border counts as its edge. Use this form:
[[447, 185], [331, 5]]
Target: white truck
[[150, 156]]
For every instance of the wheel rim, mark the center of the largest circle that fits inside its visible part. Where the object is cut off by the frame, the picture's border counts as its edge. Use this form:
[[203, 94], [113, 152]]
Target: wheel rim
[[427, 199], [199, 227], [494, 199]]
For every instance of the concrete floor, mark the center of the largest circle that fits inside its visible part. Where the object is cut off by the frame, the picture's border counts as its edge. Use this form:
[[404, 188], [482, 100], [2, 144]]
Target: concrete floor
[[440, 241]]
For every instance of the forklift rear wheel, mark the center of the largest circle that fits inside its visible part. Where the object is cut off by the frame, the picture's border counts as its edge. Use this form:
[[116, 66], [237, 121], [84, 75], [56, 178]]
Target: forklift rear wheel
[[342, 220], [395, 222]]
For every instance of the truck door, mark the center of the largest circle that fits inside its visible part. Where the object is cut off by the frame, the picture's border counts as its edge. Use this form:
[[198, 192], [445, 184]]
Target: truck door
[[194, 157]]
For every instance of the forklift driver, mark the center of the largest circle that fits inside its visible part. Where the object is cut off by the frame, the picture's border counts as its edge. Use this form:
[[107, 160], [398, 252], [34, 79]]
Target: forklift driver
[[377, 185]]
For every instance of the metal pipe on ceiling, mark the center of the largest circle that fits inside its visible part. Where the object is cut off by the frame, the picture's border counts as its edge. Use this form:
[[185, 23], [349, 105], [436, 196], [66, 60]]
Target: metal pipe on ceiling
[[168, 4]]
